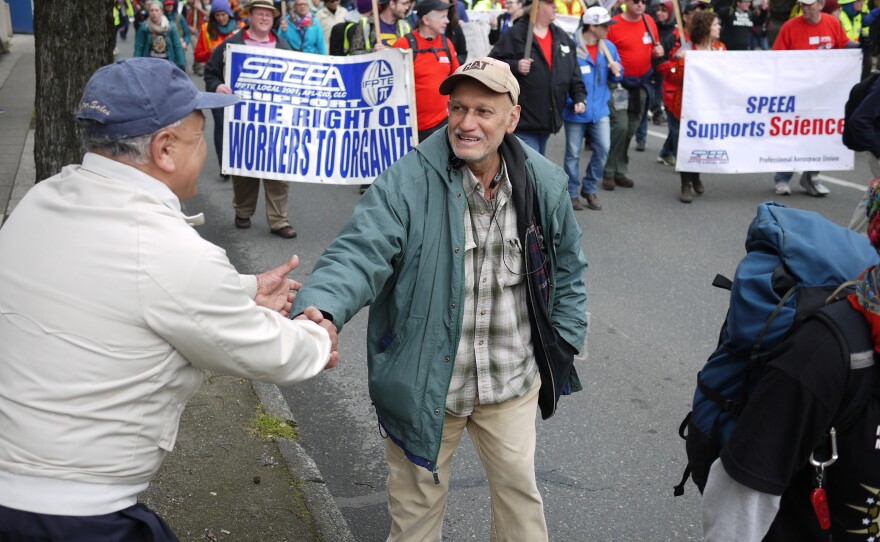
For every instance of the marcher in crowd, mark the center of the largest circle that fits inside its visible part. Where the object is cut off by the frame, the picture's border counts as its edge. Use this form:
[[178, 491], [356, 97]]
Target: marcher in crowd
[[811, 30], [760, 18], [704, 29], [330, 14], [179, 24], [302, 31], [444, 250], [99, 361], [220, 25], [596, 71], [157, 38], [864, 123], [673, 43], [547, 74], [246, 190], [392, 22], [763, 487], [635, 36], [857, 17], [455, 34], [736, 23], [663, 17], [435, 60], [503, 22]]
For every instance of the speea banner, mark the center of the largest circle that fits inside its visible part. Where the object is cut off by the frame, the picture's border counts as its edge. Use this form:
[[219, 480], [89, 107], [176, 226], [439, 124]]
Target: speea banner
[[317, 119], [762, 111]]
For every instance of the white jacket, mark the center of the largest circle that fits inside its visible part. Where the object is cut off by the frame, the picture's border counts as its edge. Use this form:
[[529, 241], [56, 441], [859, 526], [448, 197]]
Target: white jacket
[[110, 307]]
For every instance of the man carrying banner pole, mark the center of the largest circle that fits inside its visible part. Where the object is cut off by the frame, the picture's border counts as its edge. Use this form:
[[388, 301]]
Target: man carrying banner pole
[[246, 190], [811, 30]]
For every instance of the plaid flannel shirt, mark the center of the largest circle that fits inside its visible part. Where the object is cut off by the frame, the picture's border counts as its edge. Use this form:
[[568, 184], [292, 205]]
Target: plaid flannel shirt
[[495, 361]]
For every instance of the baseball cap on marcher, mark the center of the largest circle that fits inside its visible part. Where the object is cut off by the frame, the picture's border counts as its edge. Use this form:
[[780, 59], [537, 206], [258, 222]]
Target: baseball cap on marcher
[[695, 4], [492, 73], [597, 15], [808, 2], [137, 96], [427, 6]]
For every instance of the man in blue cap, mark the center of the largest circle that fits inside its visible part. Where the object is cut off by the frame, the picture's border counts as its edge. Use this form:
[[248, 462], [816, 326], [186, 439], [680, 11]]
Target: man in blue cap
[[99, 360]]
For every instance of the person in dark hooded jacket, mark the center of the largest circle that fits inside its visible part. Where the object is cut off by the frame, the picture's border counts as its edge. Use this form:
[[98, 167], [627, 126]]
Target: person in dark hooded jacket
[[549, 74]]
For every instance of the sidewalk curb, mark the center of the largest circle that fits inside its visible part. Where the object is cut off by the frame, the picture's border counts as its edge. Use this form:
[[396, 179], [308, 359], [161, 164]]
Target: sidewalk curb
[[328, 520], [24, 177]]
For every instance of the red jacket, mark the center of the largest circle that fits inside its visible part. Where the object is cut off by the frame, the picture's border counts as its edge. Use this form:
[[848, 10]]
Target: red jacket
[[673, 76]]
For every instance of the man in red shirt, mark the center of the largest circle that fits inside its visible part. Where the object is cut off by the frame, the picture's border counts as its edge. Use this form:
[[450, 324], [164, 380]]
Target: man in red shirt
[[434, 60], [636, 38], [812, 30]]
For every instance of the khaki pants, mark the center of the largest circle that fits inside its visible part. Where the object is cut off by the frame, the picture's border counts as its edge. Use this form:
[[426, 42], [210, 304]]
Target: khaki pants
[[245, 191], [504, 437]]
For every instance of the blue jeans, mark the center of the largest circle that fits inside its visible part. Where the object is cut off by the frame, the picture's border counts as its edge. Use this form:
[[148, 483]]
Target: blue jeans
[[759, 43], [535, 140], [600, 141], [642, 131], [670, 146]]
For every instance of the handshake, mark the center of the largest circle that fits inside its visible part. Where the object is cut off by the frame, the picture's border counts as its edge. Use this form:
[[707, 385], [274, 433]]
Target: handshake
[[276, 292]]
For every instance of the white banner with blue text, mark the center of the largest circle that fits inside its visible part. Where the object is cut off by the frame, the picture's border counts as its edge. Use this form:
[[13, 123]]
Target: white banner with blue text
[[763, 111], [317, 119]]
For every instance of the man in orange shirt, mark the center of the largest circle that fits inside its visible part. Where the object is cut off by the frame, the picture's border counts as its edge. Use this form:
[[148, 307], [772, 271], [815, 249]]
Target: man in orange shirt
[[434, 59]]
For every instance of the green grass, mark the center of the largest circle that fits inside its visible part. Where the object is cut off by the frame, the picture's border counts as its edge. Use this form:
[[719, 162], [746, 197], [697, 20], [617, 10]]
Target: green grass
[[271, 427]]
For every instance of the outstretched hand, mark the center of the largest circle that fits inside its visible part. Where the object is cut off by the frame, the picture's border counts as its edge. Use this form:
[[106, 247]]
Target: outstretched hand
[[275, 291], [313, 314]]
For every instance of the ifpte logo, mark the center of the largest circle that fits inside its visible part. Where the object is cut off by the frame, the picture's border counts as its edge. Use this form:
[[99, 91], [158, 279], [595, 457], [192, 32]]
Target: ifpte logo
[[709, 157], [377, 82]]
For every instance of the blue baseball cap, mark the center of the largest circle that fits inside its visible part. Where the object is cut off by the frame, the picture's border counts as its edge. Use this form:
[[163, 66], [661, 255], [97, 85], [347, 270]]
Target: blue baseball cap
[[137, 96]]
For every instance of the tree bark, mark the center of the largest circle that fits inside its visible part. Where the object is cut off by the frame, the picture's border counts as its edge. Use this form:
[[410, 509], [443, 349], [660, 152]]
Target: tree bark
[[72, 39]]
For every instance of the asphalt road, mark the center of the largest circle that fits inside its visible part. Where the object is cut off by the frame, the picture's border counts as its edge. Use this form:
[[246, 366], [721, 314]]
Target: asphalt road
[[607, 461]]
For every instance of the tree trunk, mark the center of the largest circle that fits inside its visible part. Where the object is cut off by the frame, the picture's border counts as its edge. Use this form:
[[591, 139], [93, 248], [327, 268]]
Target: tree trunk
[[73, 38]]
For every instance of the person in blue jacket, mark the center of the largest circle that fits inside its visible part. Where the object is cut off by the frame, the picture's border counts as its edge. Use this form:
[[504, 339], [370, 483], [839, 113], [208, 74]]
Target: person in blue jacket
[[596, 72], [301, 31]]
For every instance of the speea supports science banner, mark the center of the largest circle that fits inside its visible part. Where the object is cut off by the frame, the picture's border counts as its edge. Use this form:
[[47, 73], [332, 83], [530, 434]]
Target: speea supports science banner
[[317, 119], [761, 111]]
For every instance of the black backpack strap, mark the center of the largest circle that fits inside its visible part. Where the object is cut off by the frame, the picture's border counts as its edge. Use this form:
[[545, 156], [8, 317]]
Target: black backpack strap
[[412, 44], [853, 334]]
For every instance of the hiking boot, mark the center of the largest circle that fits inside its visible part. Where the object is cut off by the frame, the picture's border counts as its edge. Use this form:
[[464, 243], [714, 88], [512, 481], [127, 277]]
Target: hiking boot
[[685, 192], [623, 182], [593, 202], [782, 188], [640, 146], [607, 183], [814, 187], [576, 204], [697, 185], [667, 160]]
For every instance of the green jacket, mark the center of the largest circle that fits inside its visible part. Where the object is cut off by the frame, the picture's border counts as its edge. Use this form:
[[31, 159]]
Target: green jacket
[[402, 253]]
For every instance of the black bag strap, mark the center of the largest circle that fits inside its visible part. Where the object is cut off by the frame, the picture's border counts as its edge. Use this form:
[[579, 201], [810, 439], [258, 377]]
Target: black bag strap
[[851, 330]]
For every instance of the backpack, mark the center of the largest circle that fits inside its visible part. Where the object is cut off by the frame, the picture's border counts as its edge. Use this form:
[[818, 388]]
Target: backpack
[[338, 45], [412, 45], [795, 261], [856, 96]]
